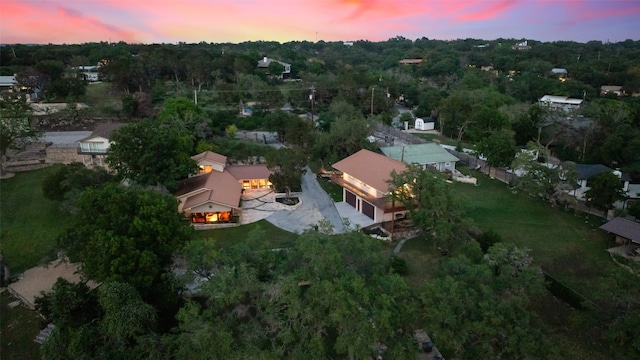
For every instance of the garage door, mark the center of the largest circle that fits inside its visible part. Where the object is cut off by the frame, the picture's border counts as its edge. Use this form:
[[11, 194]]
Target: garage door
[[351, 198], [368, 209]]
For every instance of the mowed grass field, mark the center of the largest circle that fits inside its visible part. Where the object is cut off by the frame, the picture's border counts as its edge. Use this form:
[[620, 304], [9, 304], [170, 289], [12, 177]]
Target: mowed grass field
[[569, 246], [29, 223]]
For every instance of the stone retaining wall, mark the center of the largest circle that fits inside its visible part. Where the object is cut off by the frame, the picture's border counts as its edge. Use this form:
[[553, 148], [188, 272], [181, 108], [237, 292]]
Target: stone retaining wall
[[62, 155]]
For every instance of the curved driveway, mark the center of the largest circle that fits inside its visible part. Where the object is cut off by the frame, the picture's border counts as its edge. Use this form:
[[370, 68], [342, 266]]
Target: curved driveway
[[316, 205]]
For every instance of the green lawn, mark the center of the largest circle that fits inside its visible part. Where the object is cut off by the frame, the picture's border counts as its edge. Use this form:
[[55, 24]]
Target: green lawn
[[569, 246], [29, 223], [226, 237], [18, 326], [99, 96], [334, 190], [422, 260]]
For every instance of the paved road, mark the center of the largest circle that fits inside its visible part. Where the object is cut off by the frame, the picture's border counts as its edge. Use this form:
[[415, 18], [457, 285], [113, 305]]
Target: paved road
[[316, 206]]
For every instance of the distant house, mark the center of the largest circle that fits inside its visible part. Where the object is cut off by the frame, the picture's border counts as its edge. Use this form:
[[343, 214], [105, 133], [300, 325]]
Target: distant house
[[8, 83], [611, 89], [410, 61], [286, 68], [587, 171], [213, 195], [561, 73], [560, 102], [347, 43], [626, 230], [94, 148], [521, 46], [87, 72], [425, 124], [364, 184], [429, 155]]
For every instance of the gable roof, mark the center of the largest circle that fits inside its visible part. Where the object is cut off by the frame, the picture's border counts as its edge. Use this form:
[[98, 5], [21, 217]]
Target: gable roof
[[210, 156], [245, 172], [623, 227], [371, 168], [218, 187], [585, 171], [419, 153], [104, 130]]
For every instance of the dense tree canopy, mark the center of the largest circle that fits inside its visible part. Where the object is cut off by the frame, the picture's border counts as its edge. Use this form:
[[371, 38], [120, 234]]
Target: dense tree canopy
[[127, 234], [153, 152]]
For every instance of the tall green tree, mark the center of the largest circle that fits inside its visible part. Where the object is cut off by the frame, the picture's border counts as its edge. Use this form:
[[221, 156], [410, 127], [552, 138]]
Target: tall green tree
[[431, 203], [132, 240], [288, 166], [499, 148], [604, 190], [16, 128], [153, 152]]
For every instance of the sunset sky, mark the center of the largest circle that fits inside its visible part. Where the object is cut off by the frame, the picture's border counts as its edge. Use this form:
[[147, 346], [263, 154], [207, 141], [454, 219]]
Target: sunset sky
[[219, 21]]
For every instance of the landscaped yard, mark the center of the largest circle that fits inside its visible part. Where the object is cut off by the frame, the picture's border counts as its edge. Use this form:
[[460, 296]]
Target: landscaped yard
[[30, 223]]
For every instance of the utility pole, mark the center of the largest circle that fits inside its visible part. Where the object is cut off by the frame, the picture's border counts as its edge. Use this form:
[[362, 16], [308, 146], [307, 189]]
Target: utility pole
[[311, 98], [372, 90]]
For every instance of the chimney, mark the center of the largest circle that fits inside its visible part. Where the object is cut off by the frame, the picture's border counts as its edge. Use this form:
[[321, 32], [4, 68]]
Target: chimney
[[265, 59]]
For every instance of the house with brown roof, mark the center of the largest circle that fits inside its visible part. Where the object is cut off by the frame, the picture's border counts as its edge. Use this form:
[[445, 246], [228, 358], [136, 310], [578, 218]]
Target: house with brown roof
[[94, 148], [625, 230], [213, 195], [364, 184]]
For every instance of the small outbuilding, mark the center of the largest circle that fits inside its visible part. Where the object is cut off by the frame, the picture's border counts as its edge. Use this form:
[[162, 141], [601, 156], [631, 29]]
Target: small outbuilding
[[626, 230], [425, 124]]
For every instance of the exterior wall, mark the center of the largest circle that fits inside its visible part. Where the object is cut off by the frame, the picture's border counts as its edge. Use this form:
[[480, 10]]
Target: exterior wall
[[95, 145], [62, 155], [210, 207], [442, 166], [378, 213], [362, 186], [214, 165]]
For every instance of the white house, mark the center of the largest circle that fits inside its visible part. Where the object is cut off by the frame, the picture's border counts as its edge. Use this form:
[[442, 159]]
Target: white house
[[611, 89], [560, 102], [94, 148], [87, 72]]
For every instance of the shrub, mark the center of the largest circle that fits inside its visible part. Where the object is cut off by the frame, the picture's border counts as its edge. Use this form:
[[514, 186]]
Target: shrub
[[398, 265]]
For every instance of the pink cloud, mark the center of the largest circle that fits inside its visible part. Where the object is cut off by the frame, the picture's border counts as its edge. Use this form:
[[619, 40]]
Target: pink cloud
[[45, 22], [487, 10]]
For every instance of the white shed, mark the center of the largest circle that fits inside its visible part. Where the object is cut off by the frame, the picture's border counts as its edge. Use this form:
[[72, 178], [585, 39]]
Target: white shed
[[421, 124]]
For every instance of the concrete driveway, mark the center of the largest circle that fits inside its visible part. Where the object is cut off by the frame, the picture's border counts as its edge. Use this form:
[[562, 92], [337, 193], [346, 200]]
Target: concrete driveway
[[316, 205]]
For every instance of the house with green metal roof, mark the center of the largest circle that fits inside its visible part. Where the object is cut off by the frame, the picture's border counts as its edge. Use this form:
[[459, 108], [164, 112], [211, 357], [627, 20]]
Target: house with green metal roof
[[427, 155]]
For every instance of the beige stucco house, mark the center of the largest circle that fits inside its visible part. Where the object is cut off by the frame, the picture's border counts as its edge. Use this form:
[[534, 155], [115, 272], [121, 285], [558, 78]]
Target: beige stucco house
[[213, 195], [364, 184]]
